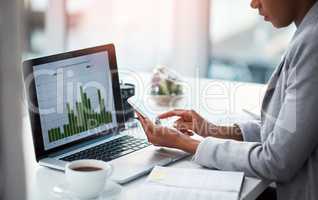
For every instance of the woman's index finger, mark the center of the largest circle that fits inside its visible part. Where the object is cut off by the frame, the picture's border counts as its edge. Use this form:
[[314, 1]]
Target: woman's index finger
[[172, 113]]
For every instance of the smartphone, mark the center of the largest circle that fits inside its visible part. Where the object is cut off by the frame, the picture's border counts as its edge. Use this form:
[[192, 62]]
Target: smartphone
[[139, 107]]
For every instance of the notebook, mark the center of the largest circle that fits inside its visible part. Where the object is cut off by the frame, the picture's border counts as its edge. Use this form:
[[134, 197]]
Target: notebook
[[166, 183]]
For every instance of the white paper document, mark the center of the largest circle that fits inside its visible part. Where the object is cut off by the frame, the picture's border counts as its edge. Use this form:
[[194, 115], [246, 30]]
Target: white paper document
[[166, 183]]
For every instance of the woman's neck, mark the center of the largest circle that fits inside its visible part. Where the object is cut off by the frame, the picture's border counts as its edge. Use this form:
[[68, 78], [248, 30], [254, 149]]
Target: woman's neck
[[302, 9]]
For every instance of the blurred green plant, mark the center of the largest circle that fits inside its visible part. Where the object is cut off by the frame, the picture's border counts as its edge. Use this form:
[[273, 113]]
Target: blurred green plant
[[165, 82]]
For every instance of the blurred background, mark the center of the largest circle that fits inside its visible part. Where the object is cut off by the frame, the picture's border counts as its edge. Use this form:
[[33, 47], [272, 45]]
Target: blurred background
[[219, 39]]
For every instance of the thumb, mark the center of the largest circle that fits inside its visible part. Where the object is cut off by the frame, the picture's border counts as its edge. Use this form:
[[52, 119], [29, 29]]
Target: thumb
[[146, 124], [187, 132], [184, 125]]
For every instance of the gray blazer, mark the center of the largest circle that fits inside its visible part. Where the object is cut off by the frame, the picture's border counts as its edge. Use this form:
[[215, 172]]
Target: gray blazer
[[283, 146]]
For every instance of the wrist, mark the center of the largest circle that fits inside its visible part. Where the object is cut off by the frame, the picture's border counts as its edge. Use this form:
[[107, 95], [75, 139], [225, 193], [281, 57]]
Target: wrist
[[187, 144], [211, 130], [229, 132]]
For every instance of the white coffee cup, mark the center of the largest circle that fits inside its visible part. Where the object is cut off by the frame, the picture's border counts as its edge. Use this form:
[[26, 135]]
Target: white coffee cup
[[83, 181]]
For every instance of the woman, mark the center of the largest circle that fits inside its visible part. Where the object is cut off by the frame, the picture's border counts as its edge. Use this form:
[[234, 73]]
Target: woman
[[283, 146]]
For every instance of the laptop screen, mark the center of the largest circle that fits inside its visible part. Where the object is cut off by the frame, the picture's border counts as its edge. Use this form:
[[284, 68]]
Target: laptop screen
[[75, 98]]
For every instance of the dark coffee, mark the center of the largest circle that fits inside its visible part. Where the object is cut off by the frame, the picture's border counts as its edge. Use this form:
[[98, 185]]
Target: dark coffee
[[86, 169]]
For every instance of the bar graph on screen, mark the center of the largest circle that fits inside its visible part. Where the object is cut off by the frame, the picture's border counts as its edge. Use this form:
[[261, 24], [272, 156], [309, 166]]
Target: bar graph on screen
[[75, 99], [82, 119]]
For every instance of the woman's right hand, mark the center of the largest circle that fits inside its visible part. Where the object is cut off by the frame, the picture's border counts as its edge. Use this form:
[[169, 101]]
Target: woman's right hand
[[190, 121]]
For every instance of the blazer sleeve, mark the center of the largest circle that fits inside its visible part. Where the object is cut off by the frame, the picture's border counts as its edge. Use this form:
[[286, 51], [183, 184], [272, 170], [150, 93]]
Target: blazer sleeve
[[294, 137], [251, 130]]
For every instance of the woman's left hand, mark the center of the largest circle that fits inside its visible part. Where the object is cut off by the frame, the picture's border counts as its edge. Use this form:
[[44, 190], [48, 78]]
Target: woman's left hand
[[167, 137]]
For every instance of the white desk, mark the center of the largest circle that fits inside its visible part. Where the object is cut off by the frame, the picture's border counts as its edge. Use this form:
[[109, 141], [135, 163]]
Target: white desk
[[219, 101]]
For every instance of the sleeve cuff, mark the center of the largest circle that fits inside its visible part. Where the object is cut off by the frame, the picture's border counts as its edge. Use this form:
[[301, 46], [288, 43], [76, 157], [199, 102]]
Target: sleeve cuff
[[251, 131], [229, 155], [201, 156]]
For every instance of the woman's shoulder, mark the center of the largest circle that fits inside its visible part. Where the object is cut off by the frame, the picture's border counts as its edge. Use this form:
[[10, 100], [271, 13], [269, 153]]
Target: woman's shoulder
[[304, 45]]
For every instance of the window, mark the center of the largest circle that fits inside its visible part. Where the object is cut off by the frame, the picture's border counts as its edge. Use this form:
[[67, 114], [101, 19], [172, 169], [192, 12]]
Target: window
[[220, 39], [140, 29], [244, 47], [146, 33]]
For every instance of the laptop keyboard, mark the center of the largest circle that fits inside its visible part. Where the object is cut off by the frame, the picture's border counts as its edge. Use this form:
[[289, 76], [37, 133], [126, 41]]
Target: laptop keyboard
[[110, 150]]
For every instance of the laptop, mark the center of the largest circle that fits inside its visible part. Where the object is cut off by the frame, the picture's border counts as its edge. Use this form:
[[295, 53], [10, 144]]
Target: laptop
[[76, 112]]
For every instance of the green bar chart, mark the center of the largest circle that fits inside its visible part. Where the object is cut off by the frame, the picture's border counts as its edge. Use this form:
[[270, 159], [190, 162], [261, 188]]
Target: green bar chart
[[75, 99], [81, 117]]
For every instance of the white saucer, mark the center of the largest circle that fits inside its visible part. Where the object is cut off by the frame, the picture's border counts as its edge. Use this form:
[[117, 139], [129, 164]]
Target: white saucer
[[111, 192]]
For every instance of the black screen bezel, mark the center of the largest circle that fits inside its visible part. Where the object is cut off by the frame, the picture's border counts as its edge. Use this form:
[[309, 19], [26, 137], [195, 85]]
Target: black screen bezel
[[31, 96]]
